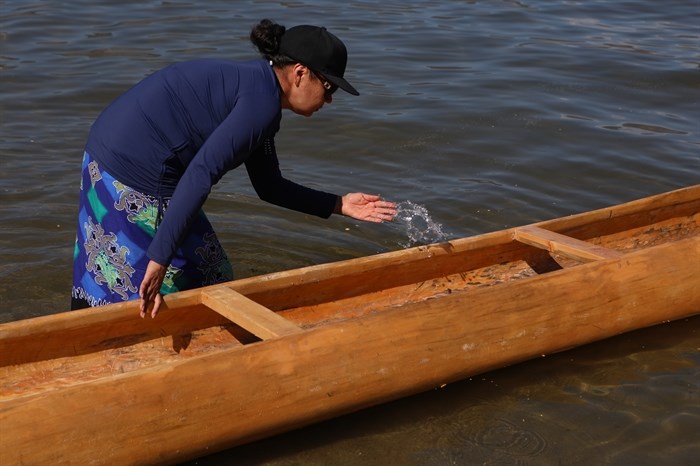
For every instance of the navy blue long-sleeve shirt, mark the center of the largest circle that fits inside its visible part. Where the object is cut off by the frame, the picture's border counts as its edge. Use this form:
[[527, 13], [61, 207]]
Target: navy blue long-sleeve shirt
[[177, 132]]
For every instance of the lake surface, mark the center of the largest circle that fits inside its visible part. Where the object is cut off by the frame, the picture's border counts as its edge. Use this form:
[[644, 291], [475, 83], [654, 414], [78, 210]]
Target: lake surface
[[489, 114]]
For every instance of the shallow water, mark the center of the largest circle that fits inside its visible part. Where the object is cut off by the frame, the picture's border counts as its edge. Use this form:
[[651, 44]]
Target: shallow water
[[490, 114]]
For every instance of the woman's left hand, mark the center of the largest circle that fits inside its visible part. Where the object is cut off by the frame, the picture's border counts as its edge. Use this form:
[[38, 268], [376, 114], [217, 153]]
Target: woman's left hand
[[366, 207]]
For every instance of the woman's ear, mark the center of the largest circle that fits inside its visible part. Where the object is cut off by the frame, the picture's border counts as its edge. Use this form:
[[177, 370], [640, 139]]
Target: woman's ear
[[299, 71]]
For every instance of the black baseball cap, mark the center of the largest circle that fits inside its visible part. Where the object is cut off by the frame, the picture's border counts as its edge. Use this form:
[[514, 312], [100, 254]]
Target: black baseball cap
[[320, 51]]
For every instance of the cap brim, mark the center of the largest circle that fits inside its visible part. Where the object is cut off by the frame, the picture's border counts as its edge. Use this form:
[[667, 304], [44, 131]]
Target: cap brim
[[343, 84]]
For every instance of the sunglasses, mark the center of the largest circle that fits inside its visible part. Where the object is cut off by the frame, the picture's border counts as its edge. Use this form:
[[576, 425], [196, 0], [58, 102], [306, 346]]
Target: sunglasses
[[328, 86]]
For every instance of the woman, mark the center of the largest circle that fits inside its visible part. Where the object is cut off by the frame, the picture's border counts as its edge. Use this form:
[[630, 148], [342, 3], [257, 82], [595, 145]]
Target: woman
[[154, 154]]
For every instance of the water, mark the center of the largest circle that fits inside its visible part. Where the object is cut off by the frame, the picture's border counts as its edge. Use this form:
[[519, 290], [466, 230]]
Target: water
[[490, 114], [419, 226]]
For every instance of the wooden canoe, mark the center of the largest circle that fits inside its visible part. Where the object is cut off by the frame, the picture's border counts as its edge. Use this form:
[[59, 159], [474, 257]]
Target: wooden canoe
[[228, 364]]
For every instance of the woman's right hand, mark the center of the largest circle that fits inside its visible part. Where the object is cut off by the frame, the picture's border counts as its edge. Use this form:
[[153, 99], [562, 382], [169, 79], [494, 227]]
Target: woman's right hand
[[366, 207], [149, 291]]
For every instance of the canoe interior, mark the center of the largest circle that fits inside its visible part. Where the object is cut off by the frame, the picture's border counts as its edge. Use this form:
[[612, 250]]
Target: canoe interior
[[51, 352]]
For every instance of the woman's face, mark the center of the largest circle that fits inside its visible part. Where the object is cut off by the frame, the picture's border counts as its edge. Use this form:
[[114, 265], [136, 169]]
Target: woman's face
[[307, 93]]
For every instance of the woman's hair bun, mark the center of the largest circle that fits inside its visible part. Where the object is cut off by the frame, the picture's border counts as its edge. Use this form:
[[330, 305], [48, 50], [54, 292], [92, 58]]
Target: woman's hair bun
[[266, 36]]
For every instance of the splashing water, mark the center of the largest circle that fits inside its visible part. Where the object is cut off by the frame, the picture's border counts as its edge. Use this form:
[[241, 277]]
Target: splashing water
[[420, 227]]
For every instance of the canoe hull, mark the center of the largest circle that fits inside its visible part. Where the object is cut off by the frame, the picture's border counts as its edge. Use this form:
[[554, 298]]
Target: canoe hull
[[185, 407], [170, 414]]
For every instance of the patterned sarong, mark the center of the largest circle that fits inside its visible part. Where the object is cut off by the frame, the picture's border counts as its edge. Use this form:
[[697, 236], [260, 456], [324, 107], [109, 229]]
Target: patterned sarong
[[116, 225]]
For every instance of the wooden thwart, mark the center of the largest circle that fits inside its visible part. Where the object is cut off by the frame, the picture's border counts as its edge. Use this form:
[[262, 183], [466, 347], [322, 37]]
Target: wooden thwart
[[562, 244], [255, 318]]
